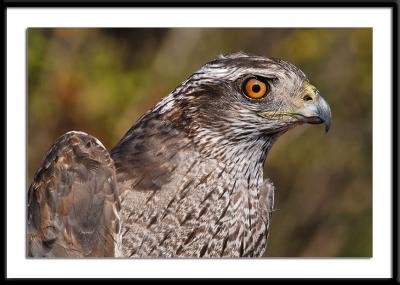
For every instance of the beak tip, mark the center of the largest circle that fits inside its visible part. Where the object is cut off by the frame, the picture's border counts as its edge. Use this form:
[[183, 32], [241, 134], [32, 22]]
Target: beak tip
[[327, 129], [327, 124]]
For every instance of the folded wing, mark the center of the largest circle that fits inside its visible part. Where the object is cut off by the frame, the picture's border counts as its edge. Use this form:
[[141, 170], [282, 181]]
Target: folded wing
[[73, 201]]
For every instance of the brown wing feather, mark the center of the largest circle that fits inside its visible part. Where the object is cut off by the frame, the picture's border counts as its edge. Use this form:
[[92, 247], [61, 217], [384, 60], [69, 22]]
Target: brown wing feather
[[73, 201]]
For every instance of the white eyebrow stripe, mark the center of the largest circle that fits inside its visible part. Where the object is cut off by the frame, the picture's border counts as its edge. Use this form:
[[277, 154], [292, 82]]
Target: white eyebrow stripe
[[236, 72]]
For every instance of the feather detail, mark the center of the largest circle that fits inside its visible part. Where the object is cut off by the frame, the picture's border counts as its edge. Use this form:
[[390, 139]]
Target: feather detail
[[73, 201]]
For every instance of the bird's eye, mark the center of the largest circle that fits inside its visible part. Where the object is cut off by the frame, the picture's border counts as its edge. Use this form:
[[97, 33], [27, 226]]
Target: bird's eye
[[255, 88]]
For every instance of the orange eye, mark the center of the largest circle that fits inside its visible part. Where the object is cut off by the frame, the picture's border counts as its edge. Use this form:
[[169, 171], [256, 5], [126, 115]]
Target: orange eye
[[255, 88]]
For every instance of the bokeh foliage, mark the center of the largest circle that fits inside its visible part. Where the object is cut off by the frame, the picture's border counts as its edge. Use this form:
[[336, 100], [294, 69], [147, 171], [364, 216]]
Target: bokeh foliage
[[102, 80]]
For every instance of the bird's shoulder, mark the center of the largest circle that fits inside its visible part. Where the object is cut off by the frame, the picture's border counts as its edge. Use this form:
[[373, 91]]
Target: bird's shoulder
[[148, 155]]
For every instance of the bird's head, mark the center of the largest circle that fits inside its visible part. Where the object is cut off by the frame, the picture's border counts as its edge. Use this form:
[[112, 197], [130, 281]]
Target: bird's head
[[243, 98]]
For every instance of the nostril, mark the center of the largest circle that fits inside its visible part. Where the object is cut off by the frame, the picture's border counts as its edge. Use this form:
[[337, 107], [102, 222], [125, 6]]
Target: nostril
[[307, 98]]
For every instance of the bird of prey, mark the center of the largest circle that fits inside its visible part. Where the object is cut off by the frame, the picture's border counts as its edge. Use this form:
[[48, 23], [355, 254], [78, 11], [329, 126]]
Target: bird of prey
[[186, 180]]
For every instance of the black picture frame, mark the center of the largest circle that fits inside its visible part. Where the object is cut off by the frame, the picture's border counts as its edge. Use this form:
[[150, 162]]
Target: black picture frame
[[215, 4]]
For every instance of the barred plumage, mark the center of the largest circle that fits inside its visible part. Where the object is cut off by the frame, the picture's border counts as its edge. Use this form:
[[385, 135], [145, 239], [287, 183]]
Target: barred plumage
[[189, 173]]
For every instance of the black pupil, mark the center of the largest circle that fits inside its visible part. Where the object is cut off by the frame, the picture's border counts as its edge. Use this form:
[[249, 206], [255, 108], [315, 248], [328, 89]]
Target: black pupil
[[256, 88]]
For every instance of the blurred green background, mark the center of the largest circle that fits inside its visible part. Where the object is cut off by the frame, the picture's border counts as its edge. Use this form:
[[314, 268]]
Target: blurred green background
[[101, 81]]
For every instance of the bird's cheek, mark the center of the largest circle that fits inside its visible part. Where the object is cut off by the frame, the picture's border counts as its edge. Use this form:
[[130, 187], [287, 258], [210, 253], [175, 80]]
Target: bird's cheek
[[269, 98]]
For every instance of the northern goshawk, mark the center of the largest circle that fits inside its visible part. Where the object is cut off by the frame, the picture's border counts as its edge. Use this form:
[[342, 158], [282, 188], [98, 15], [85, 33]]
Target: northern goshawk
[[186, 180]]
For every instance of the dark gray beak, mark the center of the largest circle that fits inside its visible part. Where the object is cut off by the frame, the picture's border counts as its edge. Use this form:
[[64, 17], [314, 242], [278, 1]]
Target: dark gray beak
[[324, 112], [316, 111]]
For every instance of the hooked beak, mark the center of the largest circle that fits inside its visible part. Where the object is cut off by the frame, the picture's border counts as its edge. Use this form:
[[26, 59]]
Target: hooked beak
[[316, 111]]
